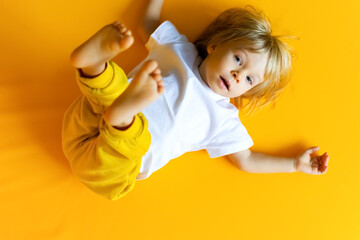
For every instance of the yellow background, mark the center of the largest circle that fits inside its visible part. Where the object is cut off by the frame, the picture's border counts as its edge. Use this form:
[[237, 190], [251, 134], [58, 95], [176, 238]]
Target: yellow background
[[193, 197]]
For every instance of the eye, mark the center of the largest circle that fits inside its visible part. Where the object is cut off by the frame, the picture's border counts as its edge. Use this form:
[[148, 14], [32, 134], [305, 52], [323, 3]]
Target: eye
[[238, 60], [249, 80]]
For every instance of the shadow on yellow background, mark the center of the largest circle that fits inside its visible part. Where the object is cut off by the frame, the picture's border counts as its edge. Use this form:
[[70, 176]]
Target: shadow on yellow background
[[193, 197]]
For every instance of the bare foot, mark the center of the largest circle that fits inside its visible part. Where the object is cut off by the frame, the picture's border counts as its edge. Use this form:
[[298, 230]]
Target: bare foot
[[109, 41], [145, 88]]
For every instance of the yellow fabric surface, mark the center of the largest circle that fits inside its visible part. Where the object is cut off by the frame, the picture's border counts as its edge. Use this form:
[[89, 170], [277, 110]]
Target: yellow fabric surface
[[106, 160], [193, 197]]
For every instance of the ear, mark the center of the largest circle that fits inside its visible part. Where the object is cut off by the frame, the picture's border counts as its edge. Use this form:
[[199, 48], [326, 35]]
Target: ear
[[210, 48]]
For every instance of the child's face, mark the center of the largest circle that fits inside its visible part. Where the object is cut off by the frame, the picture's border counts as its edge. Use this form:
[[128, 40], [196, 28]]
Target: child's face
[[231, 71]]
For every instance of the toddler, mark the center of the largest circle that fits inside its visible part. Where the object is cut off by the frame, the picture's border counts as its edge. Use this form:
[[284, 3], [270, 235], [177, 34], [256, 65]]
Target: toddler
[[123, 128]]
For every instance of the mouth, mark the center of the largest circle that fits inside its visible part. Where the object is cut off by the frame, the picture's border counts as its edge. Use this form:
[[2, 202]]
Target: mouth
[[226, 83]]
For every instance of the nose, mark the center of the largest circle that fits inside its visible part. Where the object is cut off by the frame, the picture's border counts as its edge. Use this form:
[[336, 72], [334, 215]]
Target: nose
[[235, 75]]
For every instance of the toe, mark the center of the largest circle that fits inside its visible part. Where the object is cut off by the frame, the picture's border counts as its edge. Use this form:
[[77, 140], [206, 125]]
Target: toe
[[149, 66], [126, 42], [121, 27], [118, 24], [127, 32], [161, 89], [157, 77], [157, 71], [123, 30]]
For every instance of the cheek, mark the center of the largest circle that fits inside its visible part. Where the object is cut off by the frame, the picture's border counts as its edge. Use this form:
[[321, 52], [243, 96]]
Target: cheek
[[220, 65], [243, 88], [217, 62]]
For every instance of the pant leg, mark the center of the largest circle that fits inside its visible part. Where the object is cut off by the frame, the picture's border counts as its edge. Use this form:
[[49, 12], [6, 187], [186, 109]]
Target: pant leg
[[106, 160]]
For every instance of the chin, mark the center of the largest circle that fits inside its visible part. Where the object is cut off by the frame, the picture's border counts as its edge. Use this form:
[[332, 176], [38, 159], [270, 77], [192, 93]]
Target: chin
[[222, 94]]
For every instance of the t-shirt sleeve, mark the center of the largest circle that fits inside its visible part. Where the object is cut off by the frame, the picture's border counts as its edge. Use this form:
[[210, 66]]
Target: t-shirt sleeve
[[231, 137], [164, 34]]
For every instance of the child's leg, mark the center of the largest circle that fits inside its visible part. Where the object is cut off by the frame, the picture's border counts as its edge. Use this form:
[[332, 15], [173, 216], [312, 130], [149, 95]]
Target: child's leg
[[105, 158], [146, 86], [109, 41]]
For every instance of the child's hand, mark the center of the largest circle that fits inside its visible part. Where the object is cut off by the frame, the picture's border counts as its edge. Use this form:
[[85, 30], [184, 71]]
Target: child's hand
[[316, 165]]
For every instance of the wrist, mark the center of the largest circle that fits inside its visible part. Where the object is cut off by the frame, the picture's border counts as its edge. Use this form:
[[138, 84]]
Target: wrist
[[294, 161]]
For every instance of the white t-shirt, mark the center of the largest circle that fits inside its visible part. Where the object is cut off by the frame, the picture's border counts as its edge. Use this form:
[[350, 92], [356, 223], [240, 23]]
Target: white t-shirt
[[188, 116]]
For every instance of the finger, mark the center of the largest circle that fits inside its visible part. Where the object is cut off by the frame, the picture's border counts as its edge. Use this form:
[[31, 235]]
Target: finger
[[315, 171], [322, 169], [323, 160], [326, 158], [320, 160], [323, 166], [312, 150], [315, 165]]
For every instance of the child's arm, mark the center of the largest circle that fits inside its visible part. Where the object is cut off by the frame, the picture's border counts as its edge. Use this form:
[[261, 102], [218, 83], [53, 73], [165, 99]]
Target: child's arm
[[255, 162], [151, 19]]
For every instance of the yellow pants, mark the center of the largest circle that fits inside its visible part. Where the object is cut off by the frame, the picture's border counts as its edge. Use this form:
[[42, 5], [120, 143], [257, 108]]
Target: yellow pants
[[106, 160]]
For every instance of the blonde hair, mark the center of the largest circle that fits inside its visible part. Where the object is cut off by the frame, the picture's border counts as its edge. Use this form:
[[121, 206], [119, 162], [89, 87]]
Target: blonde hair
[[252, 31]]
